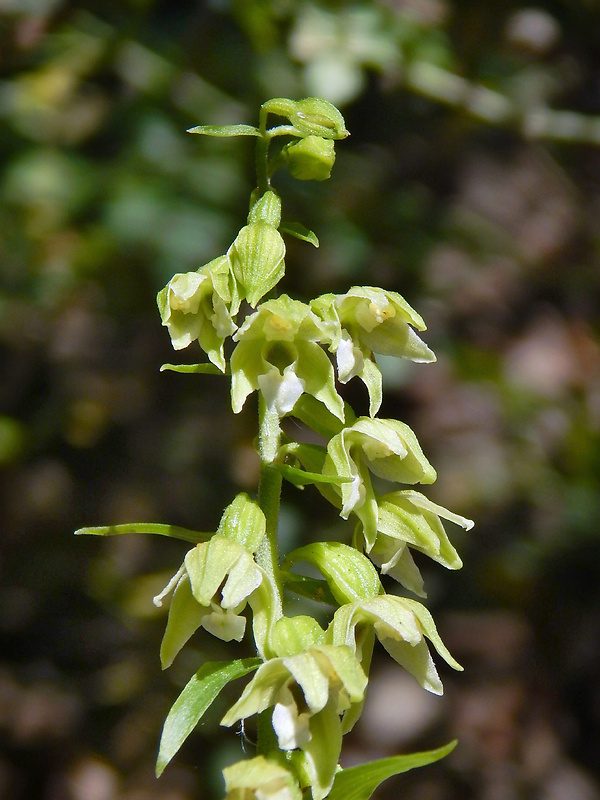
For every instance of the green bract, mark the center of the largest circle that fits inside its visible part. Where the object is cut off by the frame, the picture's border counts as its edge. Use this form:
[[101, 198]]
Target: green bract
[[279, 353]]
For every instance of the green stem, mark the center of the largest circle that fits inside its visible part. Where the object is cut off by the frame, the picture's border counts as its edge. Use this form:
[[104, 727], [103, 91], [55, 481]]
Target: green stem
[[269, 493], [262, 155]]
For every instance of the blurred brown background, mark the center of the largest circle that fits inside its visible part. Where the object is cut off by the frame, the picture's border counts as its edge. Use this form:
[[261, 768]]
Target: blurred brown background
[[471, 184]]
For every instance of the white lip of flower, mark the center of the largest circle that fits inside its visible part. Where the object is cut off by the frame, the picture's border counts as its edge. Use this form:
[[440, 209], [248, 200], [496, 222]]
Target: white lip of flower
[[221, 319], [225, 624], [350, 360], [370, 314], [290, 725], [281, 392], [356, 496]]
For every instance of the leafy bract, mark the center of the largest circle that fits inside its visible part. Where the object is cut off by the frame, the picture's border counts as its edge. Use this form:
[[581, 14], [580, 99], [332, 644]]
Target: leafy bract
[[225, 130], [194, 700], [147, 527], [359, 783]]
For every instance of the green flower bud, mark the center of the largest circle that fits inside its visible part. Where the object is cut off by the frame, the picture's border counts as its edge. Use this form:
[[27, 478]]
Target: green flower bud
[[256, 258], [350, 574], [310, 117], [266, 209], [310, 159]]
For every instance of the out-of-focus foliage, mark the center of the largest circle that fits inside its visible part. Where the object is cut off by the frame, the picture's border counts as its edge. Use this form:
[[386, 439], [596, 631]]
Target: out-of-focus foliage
[[471, 185]]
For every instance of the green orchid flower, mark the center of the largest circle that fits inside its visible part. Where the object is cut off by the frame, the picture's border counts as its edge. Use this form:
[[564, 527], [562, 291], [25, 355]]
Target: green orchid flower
[[279, 353], [409, 520], [260, 779], [385, 447], [200, 306], [372, 320], [212, 588], [401, 625], [308, 691]]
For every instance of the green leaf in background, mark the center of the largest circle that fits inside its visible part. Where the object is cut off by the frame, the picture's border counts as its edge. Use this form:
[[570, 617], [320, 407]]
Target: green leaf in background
[[359, 783], [194, 700], [206, 369], [225, 130], [300, 232], [147, 527]]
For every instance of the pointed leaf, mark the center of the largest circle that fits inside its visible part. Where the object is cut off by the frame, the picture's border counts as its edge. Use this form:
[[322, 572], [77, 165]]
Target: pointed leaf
[[300, 477], [359, 783], [225, 130], [300, 232], [194, 700], [206, 369], [147, 527]]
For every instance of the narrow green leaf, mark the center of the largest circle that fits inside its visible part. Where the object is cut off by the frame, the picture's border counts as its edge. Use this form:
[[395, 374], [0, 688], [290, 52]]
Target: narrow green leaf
[[300, 477], [206, 368], [225, 130], [194, 700], [147, 527], [300, 232], [359, 783], [312, 588]]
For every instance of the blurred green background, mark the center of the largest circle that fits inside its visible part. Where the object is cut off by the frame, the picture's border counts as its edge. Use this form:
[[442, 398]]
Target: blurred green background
[[471, 184]]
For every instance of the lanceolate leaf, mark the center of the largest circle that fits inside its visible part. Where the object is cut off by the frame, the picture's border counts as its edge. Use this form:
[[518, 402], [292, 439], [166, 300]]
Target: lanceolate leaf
[[300, 477], [148, 527], [300, 232], [206, 369], [359, 783], [225, 130], [194, 700]]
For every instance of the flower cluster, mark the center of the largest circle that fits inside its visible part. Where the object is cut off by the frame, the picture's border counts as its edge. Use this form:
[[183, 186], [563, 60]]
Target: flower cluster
[[309, 681]]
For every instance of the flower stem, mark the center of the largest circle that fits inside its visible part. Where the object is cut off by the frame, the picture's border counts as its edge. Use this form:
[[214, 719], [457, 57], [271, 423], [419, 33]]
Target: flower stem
[[269, 493], [262, 154]]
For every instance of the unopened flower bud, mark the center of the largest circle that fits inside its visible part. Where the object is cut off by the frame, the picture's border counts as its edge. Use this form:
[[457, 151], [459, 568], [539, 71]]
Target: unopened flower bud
[[310, 158]]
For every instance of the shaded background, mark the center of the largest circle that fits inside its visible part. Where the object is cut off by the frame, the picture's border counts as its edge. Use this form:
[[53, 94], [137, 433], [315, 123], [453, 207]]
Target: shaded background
[[471, 184]]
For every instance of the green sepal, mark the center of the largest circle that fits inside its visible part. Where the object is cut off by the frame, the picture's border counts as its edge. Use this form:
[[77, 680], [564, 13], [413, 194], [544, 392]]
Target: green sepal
[[300, 477], [311, 588], [173, 531], [359, 783], [225, 130], [185, 617], [350, 574], [194, 700], [298, 230], [256, 258], [206, 369], [293, 635], [243, 521]]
